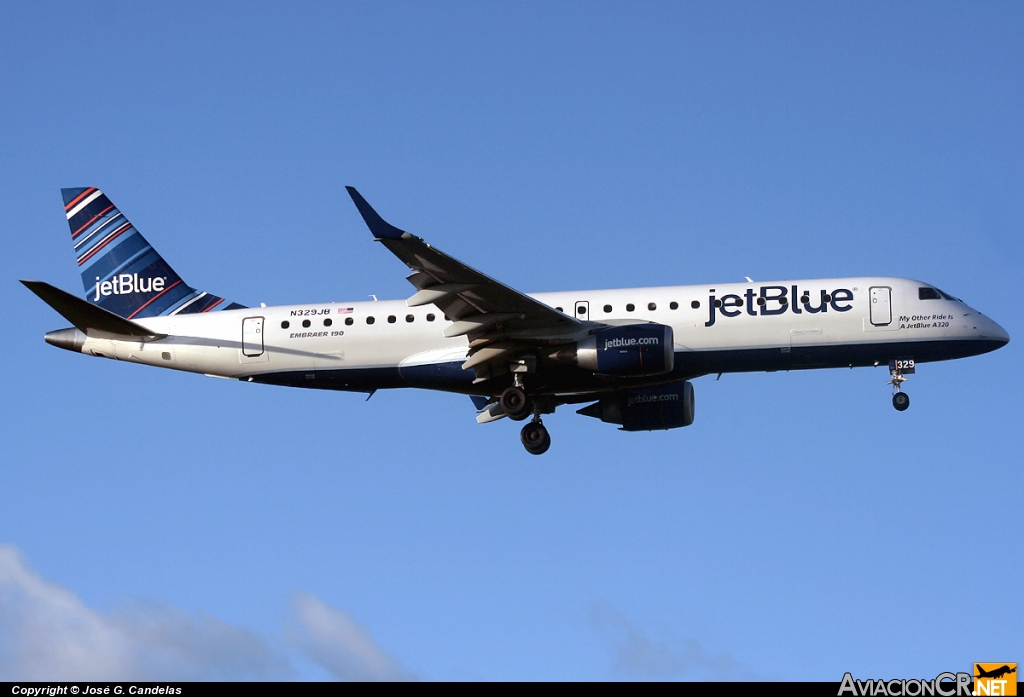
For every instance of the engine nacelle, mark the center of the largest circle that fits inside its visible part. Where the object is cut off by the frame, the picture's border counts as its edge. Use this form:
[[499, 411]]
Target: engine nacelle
[[646, 409], [632, 350]]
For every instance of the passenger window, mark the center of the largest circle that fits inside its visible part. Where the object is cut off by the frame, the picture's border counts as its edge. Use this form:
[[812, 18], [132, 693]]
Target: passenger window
[[391, 319], [409, 318], [673, 305], [370, 320], [718, 303], [348, 321], [607, 308], [630, 307], [560, 309], [285, 324], [826, 298], [430, 317], [695, 304], [328, 322], [581, 310], [760, 301], [652, 307], [928, 294], [305, 323]]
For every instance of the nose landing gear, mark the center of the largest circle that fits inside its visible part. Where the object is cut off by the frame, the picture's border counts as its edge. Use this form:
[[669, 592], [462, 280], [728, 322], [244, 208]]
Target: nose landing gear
[[901, 400], [899, 369]]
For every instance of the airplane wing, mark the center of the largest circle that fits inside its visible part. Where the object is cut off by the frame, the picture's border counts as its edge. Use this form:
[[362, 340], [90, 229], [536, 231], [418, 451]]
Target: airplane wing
[[500, 322]]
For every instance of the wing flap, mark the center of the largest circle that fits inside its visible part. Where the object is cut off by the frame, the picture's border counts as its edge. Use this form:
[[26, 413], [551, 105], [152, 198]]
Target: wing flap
[[435, 294]]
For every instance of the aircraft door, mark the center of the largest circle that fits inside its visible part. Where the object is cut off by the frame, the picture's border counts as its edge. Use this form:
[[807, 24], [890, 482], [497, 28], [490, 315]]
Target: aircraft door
[[252, 337], [881, 305], [583, 310]]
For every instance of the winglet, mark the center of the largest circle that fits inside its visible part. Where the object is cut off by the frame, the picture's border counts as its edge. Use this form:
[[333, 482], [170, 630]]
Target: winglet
[[380, 228], [87, 317]]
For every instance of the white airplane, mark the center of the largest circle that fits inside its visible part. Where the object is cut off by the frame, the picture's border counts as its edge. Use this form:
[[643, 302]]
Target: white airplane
[[631, 352]]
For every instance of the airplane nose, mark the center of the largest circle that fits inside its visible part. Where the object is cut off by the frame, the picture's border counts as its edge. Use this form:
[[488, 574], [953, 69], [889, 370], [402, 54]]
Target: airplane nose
[[1000, 334], [991, 331]]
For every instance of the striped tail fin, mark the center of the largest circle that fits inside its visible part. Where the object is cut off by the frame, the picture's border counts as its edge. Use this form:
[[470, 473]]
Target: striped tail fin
[[121, 271]]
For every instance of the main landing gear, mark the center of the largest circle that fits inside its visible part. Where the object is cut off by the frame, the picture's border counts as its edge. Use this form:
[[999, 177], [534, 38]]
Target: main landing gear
[[517, 405], [898, 370], [535, 437]]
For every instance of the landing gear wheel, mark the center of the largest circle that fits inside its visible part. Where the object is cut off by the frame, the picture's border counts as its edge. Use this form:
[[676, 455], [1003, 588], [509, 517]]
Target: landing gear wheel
[[535, 437], [901, 400], [515, 403]]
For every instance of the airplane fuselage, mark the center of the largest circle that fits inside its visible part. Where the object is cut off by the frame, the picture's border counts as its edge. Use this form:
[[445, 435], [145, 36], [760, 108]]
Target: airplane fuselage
[[721, 328]]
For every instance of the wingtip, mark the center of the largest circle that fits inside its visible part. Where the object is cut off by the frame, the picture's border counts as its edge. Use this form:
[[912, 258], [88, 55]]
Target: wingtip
[[381, 229]]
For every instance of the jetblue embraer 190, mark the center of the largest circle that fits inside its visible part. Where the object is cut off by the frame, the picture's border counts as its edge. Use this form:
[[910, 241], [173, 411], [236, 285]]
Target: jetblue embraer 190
[[631, 352]]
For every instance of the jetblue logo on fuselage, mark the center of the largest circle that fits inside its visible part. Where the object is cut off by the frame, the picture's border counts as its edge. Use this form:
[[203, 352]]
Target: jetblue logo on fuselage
[[776, 300], [128, 283]]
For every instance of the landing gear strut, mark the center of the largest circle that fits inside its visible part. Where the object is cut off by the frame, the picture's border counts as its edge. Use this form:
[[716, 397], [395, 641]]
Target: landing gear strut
[[517, 405], [535, 437], [897, 368]]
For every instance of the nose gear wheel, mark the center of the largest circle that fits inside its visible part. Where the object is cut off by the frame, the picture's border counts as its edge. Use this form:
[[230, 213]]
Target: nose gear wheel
[[900, 399]]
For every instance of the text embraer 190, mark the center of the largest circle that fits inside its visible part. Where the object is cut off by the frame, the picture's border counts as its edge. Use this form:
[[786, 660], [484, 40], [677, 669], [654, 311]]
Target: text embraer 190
[[630, 352]]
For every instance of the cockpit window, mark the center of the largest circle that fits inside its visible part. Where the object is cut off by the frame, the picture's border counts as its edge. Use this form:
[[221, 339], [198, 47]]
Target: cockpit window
[[935, 294]]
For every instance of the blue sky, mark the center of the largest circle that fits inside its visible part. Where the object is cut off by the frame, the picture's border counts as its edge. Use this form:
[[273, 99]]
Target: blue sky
[[163, 525]]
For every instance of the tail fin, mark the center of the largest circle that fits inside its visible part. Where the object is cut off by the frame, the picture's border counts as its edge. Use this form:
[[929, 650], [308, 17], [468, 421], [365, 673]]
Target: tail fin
[[121, 271]]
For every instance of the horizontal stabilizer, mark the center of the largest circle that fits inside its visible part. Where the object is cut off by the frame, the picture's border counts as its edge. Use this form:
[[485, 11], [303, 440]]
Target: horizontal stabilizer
[[90, 319]]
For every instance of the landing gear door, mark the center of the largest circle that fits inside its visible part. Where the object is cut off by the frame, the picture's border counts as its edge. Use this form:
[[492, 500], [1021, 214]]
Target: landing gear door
[[881, 305], [252, 339], [583, 310]]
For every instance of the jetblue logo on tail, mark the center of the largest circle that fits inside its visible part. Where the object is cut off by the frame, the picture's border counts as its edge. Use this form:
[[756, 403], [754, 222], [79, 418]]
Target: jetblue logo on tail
[[139, 283], [128, 283]]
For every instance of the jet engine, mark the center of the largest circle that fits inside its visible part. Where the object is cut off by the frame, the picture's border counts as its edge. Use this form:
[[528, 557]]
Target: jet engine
[[632, 350], [646, 409]]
